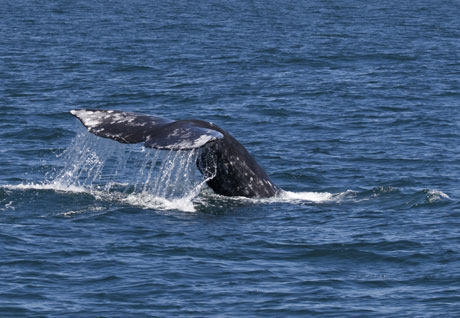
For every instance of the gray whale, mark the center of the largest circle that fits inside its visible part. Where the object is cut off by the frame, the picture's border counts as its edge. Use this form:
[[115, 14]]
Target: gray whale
[[227, 166]]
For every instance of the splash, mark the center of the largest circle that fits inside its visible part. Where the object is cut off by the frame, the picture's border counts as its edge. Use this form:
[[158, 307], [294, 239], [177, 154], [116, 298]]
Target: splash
[[130, 174], [134, 175], [164, 180], [316, 197], [435, 195], [307, 197]]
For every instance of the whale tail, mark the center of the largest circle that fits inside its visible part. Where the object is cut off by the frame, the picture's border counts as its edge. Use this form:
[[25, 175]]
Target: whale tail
[[155, 132], [228, 167]]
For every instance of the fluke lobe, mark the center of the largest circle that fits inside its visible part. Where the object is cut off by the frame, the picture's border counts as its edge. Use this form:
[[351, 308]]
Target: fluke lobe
[[228, 167]]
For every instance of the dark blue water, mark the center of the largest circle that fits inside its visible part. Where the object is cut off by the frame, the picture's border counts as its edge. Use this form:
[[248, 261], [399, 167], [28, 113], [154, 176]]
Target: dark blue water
[[353, 107]]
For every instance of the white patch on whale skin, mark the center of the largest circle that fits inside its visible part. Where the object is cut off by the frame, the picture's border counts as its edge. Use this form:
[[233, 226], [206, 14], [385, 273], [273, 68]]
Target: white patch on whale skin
[[202, 140], [118, 118], [182, 133], [89, 118], [196, 143], [174, 133], [92, 119]]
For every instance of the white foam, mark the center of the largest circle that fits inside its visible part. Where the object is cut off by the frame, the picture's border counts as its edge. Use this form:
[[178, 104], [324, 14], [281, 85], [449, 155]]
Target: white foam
[[55, 186], [299, 198], [291, 198], [436, 195], [439, 194], [186, 203], [316, 197], [158, 203], [154, 179], [142, 200]]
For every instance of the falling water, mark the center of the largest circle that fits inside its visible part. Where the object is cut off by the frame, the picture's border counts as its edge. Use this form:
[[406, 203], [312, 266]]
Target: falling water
[[150, 178], [131, 173]]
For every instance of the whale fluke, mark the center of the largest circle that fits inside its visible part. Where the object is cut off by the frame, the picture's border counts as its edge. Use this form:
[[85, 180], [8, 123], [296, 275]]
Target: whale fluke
[[156, 132], [229, 168]]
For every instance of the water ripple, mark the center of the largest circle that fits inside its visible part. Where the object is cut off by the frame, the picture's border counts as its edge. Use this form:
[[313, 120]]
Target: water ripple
[[351, 108]]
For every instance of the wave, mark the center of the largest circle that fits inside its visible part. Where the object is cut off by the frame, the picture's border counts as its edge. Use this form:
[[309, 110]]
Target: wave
[[146, 200], [169, 180], [391, 195], [141, 200], [203, 197]]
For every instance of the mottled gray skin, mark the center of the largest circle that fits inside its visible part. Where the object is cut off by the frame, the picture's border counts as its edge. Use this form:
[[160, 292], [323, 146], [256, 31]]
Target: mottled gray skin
[[228, 167], [236, 173]]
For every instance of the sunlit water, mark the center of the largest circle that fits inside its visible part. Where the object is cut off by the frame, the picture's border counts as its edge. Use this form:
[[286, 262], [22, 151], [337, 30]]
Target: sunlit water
[[352, 108], [133, 174], [130, 173]]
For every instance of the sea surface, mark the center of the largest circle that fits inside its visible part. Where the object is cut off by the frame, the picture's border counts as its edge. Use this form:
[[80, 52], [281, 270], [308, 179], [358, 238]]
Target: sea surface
[[352, 108]]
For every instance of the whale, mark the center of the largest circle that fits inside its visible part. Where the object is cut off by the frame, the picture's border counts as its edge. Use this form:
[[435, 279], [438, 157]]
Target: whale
[[226, 165]]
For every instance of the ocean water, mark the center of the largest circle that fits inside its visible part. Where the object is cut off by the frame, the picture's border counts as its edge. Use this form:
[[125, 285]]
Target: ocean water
[[352, 108]]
